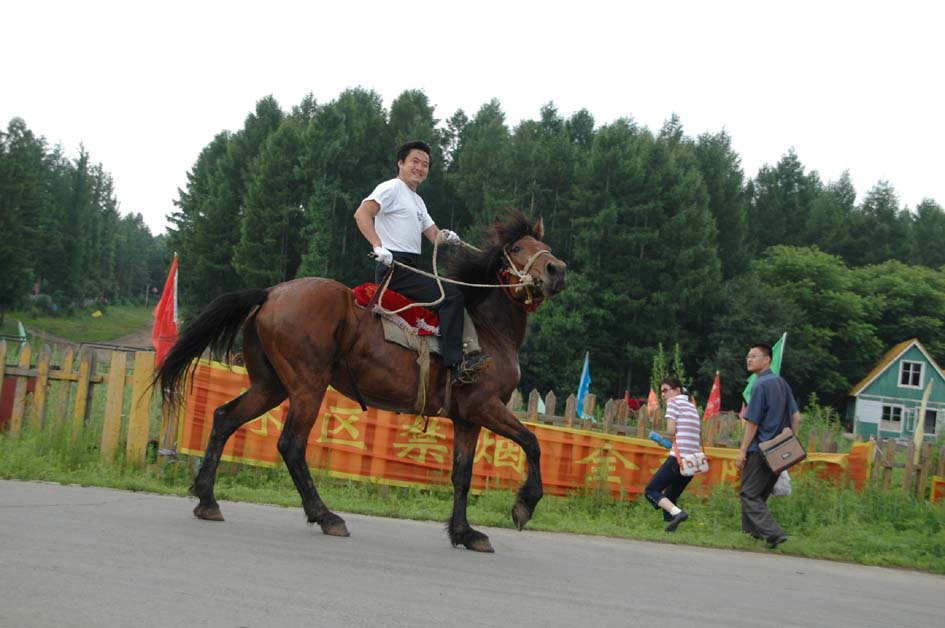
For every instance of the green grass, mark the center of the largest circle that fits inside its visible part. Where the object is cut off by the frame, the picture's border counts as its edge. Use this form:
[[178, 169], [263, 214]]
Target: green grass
[[116, 321], [871, 527]]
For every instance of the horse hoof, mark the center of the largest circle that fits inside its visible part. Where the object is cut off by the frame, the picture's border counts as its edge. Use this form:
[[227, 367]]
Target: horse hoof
[[520, 515], [480, 544], [334, 526], [209, 513]]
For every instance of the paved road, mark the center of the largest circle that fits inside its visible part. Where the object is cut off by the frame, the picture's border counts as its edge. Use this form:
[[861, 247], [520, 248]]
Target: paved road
[[72, 556]]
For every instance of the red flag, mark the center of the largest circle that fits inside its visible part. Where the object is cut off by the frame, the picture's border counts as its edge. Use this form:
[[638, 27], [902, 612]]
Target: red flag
[[164, 333], [715, 399]]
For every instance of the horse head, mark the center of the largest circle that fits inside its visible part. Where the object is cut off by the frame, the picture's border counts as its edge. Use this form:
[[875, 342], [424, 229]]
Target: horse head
[[529, 268]]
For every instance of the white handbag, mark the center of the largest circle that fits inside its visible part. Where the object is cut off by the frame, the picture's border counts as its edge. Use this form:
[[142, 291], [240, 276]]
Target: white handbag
[[691, 464]]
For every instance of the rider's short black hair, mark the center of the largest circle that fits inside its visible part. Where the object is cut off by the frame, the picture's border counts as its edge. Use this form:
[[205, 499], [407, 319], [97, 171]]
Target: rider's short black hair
[[405, 149]]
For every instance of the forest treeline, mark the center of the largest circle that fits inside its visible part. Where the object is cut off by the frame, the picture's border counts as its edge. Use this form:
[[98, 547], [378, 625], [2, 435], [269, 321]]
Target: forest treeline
[[668, 240], [63, 241]]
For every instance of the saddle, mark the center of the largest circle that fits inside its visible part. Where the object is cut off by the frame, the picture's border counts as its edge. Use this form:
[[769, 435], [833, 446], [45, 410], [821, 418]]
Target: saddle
[[417, 329]]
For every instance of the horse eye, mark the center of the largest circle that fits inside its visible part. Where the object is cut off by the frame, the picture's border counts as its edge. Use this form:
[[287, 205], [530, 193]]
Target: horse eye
[[515, 249]]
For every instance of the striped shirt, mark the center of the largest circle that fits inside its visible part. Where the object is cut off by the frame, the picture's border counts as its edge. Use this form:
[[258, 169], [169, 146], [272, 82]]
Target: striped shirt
[[688, 429]]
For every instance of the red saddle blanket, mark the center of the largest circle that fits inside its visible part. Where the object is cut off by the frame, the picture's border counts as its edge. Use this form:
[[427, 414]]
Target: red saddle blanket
[[420, 320]]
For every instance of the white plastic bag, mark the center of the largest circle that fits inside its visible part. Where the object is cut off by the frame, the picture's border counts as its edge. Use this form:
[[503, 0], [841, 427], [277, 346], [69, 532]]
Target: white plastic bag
[[782, 488]]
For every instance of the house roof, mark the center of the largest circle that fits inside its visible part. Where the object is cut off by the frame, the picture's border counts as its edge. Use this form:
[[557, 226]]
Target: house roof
[[891, 356]]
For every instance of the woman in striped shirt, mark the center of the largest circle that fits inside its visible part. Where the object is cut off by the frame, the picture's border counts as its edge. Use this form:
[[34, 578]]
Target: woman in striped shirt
[[682, 422]]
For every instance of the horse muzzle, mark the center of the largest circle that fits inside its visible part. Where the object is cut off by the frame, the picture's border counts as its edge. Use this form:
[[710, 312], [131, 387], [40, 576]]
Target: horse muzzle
[[552, 278]]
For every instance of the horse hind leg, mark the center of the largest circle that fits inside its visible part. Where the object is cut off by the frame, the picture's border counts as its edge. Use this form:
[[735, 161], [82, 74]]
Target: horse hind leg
[[303, 411], [265, 392], [259, 398], [465, 435]]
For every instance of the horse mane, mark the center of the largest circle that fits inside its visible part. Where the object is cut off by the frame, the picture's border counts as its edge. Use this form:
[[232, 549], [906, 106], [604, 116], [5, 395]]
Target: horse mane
[[471, 266]]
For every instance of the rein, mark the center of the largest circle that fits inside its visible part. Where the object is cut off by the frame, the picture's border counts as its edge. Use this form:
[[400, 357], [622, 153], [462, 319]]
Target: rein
[[525, 281]]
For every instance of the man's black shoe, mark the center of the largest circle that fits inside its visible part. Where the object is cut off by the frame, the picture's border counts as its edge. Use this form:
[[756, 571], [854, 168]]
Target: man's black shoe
[[774, 541], [676, 520], [472, 367]]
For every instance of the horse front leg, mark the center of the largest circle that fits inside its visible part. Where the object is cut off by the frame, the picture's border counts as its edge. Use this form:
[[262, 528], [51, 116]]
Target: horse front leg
[[465, 436], [494, 416], [530, 492]]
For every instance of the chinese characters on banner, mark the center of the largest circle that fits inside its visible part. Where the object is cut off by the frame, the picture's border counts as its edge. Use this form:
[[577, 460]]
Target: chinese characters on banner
[[409, 450]]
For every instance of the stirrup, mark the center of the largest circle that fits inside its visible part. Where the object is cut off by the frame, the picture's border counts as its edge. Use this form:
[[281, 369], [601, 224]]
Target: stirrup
[[469, 370]]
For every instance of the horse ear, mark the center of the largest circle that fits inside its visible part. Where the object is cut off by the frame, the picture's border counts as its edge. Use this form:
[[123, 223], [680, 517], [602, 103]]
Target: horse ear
[[539, 228]]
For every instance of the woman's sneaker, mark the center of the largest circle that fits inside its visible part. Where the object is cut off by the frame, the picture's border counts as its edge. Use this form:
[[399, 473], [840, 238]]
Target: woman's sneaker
[[676, 520]]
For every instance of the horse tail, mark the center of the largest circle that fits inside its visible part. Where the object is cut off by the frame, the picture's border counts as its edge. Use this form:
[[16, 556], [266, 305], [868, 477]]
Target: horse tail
[[215, 328]]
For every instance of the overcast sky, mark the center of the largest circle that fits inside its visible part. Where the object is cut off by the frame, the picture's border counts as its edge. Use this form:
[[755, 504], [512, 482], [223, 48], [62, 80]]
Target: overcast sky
[[852, 86]]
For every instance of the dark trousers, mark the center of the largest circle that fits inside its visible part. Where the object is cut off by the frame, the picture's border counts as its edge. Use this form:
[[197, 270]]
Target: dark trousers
[[757, 482], [424, 289], [667, 482]]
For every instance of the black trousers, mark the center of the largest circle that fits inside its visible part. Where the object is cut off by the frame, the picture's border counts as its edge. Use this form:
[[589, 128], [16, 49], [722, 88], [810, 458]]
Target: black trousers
[[424, 289], [757, 482], [666, 482]]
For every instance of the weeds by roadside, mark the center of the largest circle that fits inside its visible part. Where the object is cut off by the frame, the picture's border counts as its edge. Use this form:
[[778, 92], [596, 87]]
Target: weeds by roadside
[[871, 527]]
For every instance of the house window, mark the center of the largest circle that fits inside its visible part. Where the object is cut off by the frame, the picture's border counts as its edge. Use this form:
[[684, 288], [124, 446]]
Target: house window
[[910, 374], [930, 418], [891, 419]]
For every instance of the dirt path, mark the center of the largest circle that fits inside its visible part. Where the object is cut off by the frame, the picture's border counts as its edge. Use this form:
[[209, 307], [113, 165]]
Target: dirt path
[[140, 339]]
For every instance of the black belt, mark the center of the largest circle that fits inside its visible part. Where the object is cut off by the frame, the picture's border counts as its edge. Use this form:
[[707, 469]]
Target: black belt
[[410, 259]]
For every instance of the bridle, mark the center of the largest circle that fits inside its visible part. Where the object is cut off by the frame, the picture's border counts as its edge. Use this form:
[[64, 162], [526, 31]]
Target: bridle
[[526, 281]]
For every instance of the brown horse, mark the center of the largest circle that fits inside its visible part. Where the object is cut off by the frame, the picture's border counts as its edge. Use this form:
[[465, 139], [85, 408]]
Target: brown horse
[[302, 335]]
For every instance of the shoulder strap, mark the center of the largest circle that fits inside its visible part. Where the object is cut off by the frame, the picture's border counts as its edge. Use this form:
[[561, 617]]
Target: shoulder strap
[[786, 417]]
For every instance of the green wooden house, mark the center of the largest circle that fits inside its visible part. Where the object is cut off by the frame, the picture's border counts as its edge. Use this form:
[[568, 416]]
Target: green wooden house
[[886, 402]]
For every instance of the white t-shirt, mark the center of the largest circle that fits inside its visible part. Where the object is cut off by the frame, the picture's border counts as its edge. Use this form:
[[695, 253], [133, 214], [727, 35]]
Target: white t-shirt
[[403, 216]]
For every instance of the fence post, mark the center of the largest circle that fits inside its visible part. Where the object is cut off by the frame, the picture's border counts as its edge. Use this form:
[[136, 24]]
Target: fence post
[[3, 361], [887, 463], [610, 412], [941, 461], [907, 471], [61, 404], [642, 416], [590, 403], [111, 427], [550, 402], [515, 401], [570, 408], [39, 391], [141, 392], [83, 390], [19, 391], [532, 413], [925, 466]]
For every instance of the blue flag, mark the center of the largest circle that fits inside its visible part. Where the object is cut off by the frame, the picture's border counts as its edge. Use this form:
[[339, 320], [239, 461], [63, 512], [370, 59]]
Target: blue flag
[[584, 386]]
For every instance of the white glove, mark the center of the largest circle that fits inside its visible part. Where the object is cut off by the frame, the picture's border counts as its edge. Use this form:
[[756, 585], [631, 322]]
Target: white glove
[[450, 237], [383, 255]]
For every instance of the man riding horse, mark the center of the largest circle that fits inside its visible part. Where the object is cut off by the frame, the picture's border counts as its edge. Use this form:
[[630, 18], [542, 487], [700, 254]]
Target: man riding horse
[[392, 218], [304, 335]]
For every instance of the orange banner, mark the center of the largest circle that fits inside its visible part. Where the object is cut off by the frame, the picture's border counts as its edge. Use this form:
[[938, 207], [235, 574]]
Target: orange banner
[[406, 450]]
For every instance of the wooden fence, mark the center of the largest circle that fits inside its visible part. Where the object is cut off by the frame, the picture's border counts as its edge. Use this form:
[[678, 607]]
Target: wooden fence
[[916, 470], [80, 384], [126, 375]]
